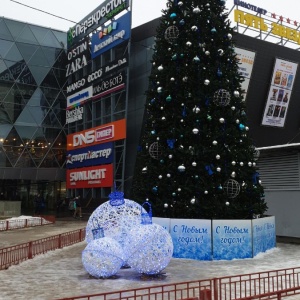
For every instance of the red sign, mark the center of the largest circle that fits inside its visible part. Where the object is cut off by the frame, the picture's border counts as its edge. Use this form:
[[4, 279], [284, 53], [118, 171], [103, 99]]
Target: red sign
[[106, 133], [92, 177]]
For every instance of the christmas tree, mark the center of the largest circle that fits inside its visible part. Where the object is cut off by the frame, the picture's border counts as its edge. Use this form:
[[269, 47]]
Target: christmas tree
[[196, 158]]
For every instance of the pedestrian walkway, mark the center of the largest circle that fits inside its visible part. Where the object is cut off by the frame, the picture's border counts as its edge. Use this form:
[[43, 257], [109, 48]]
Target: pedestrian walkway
[[60, 273], [23, 235]]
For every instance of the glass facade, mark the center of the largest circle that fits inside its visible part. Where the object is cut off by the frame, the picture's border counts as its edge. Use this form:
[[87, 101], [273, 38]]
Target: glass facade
[[32, 112]]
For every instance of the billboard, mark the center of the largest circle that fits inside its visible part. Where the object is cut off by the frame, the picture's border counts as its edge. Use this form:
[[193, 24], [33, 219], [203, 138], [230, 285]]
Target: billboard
[[90, 177], [98, 135], [112, 35], [79, 97], [280, 93], [246, 62], [104, 12], [101, 154]]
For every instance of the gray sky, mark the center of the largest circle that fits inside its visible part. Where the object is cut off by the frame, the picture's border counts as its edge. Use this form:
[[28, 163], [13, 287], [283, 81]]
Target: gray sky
[[143, 10]]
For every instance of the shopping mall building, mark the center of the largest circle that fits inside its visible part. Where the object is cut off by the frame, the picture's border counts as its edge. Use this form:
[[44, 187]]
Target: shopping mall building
[[71, 113]]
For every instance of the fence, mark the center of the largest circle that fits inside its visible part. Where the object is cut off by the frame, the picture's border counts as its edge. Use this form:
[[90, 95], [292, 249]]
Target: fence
[[14, 255], [17, 223], [263, 285]]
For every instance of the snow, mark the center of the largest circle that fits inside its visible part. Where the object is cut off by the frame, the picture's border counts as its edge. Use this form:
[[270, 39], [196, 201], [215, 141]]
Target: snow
[[20, 222], [58, 274]]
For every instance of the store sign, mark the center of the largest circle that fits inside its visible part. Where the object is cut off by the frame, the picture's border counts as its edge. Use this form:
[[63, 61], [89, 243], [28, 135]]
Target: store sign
[[280, 93], [98, 135], [74, 115], [78, 57], [258, 23], [108, 86], [90, 177], [101, 154], [112, 35], [96, 18], [80, 84], [79, 97]]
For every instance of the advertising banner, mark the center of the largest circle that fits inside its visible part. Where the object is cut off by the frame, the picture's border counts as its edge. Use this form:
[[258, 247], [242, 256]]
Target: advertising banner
[[280, 93], [74, 114], [90, 156], [246, 61], [90, 177], [79, 97], [264, 234], [96, 75], [109, 85], [98, 135], [78, 57], [112, 35], [163, 222], [191, 238], [232, 239], [104, 12]]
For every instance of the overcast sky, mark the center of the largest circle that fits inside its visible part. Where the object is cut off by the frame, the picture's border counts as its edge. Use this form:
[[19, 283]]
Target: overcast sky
[[143, 10]]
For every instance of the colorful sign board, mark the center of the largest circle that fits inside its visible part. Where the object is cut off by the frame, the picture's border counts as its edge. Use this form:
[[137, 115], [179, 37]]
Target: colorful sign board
[[90, 177], [246, 61], [112, 35], [280, 93], [79, 97], [98, 135], [104, 12], [101, 154]]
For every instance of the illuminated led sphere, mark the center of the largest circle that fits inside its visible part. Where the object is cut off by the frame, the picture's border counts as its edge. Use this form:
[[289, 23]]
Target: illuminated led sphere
[[148, 248], [221, 97], [115, 220], [155, 150], [231, 188], [103, 257], [171, 34]]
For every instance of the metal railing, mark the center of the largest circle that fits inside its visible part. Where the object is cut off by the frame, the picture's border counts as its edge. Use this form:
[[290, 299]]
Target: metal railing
[[263, 285], [14, 255]]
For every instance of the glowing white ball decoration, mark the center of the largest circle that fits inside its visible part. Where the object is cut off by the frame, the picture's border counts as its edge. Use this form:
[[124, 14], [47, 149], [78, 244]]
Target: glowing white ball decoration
[[116, 217], [148, 249], [103, 258]]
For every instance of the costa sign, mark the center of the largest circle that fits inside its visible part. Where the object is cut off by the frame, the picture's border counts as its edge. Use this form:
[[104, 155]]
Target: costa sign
[[90, 177], [96, 18], [90, 156], [106, 133]]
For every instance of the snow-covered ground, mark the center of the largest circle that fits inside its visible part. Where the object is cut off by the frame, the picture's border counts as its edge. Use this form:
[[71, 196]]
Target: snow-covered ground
[[22, 221], [60, 273]]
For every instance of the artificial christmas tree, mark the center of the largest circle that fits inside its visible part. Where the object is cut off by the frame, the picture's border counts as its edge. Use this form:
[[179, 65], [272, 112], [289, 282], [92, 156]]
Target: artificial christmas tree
[[196, 159]]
